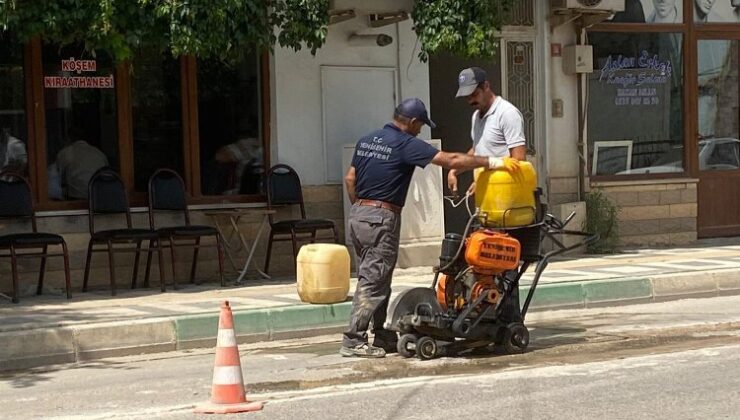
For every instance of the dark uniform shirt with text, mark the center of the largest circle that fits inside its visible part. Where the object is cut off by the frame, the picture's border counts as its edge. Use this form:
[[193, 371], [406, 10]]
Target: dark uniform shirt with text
[[384, 162]]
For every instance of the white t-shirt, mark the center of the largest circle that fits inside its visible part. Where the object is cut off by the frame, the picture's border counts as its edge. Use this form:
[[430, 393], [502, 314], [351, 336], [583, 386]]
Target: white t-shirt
[[500, 129], [77, 163]]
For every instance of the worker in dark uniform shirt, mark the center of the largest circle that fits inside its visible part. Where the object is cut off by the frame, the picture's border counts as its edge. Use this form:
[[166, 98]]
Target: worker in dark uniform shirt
[[377, 183]]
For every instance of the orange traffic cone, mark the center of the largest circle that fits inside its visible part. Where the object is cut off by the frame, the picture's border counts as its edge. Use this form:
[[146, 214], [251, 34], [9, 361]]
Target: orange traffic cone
[[227, 394]]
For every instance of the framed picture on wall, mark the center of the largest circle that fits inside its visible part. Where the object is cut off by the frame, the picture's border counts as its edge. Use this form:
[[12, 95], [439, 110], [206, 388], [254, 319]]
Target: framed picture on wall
[[611, 157]]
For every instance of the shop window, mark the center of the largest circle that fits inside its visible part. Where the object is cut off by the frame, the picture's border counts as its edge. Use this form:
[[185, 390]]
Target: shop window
[[651, 11], [81, 118], [635, 104], [232, 152], [719, 106], [156, 115], [13, 128]]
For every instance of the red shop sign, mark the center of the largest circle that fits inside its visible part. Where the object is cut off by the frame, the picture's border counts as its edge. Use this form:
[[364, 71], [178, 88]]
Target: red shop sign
[[79, 82]]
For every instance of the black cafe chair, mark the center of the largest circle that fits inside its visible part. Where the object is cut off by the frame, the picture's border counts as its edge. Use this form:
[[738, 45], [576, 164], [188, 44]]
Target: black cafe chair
[[167, 194], [16, 203], [107, 196], [284, 189]]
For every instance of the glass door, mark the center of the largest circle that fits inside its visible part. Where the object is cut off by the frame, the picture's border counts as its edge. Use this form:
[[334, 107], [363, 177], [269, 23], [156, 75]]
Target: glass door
[[718, 139]]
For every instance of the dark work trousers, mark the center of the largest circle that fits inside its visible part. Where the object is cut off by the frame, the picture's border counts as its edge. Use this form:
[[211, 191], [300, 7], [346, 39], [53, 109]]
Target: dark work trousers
[[375, 235]]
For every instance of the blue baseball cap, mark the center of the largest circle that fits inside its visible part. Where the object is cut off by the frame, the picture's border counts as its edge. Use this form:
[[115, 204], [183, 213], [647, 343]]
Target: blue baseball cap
[[414, 108]]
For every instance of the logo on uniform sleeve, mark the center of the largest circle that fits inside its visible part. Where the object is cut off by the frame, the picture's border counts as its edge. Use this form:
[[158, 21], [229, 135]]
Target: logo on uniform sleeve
[[378, 140]]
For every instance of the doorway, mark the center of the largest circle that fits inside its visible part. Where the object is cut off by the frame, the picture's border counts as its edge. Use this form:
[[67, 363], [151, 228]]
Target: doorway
[[452, 116], [718, 139]]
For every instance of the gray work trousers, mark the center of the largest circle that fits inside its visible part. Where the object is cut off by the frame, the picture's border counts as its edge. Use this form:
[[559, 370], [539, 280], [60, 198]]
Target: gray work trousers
[[375, 235]]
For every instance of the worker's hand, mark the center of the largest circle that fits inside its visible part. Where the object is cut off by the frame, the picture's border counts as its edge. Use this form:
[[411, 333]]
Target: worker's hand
[[508, 164], [452, 182]]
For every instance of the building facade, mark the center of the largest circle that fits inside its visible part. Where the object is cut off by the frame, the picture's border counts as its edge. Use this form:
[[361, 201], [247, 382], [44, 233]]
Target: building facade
[[647, 111], [653, 121], [660, 126]]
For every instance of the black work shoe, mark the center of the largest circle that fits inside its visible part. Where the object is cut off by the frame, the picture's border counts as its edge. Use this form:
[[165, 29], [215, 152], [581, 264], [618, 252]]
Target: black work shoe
[[389, 347], [362, 350]]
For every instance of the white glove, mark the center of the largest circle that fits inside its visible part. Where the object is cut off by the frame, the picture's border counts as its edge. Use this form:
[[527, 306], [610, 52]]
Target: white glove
[[506, 163]]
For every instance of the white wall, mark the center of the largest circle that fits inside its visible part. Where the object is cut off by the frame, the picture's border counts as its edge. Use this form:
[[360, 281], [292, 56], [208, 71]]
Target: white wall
[[296, 83], [562, 133]]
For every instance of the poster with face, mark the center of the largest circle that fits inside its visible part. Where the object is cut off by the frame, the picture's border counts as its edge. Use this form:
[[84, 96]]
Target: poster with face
[[651, 11], [716, 11], [671, 11]]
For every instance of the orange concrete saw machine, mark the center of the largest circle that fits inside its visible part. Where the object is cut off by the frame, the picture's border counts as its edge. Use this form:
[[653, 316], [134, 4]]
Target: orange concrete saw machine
[[465, 308]]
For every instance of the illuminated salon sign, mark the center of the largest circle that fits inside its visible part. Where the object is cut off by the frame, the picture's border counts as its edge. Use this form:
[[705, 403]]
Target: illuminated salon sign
[[79, 82], [635, 71], [637, 80]]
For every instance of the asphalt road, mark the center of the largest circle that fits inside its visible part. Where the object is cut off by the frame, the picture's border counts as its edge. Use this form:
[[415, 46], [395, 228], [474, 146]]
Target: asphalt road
[[676, 360], [684, 385]]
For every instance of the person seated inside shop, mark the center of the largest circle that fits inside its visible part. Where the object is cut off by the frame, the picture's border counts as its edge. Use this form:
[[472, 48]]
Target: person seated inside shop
[[239, 167], [75, 164], [13, 156]]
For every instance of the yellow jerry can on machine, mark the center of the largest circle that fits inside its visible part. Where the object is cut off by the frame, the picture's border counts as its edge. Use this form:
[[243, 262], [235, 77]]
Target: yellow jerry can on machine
[[322, 271], [504, 199]]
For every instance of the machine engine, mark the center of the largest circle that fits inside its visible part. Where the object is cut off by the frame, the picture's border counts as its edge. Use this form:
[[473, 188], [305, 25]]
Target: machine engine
[[475, 275]]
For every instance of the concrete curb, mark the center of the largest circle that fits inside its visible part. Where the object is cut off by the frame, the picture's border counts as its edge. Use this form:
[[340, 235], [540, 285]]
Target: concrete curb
[[66, 344]]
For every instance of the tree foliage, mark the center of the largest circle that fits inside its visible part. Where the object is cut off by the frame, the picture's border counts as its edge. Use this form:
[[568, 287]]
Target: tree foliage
[[222, 28], [465, 27], [206, 28]]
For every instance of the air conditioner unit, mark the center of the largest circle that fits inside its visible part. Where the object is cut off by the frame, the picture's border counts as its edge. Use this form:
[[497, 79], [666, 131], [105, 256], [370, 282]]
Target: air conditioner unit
[[588, 6]]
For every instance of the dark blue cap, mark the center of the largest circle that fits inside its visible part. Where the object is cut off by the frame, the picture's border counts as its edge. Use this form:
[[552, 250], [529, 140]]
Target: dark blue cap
[[414, 108]]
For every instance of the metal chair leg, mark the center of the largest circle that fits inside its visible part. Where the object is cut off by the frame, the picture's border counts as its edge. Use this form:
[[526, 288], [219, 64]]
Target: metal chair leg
[[136, 265], [112, 269], [42, 270], [174, 262], [67, 281], [195, 260], [295, 248], [87, 265], [14, 270], [162, 281], [269, 253], [220, 249], [148, 264]]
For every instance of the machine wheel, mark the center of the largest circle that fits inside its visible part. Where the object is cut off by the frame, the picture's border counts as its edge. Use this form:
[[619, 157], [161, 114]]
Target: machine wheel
[[426, 348], [516, 338], [407, 345]]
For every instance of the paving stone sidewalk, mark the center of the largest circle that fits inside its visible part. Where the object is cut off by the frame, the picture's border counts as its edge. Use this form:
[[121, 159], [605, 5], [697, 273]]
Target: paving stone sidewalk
[[94, 324]]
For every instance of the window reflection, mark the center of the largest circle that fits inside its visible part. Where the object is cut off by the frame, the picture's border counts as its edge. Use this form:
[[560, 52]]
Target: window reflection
[[157, 115], [231, 145], [635, 101], [81, 119], [719, 105], [13, 138]]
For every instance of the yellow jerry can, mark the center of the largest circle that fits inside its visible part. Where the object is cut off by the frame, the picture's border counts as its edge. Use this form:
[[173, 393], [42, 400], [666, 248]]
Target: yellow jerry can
[[322, 272], [506, 200]]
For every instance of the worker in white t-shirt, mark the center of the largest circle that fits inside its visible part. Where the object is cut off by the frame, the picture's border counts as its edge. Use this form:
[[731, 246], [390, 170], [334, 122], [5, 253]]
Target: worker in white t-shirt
[[497, 127], [497, 131]]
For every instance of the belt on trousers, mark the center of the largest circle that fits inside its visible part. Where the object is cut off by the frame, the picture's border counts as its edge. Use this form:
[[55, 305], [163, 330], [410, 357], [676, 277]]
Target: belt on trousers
[[381, 204]]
